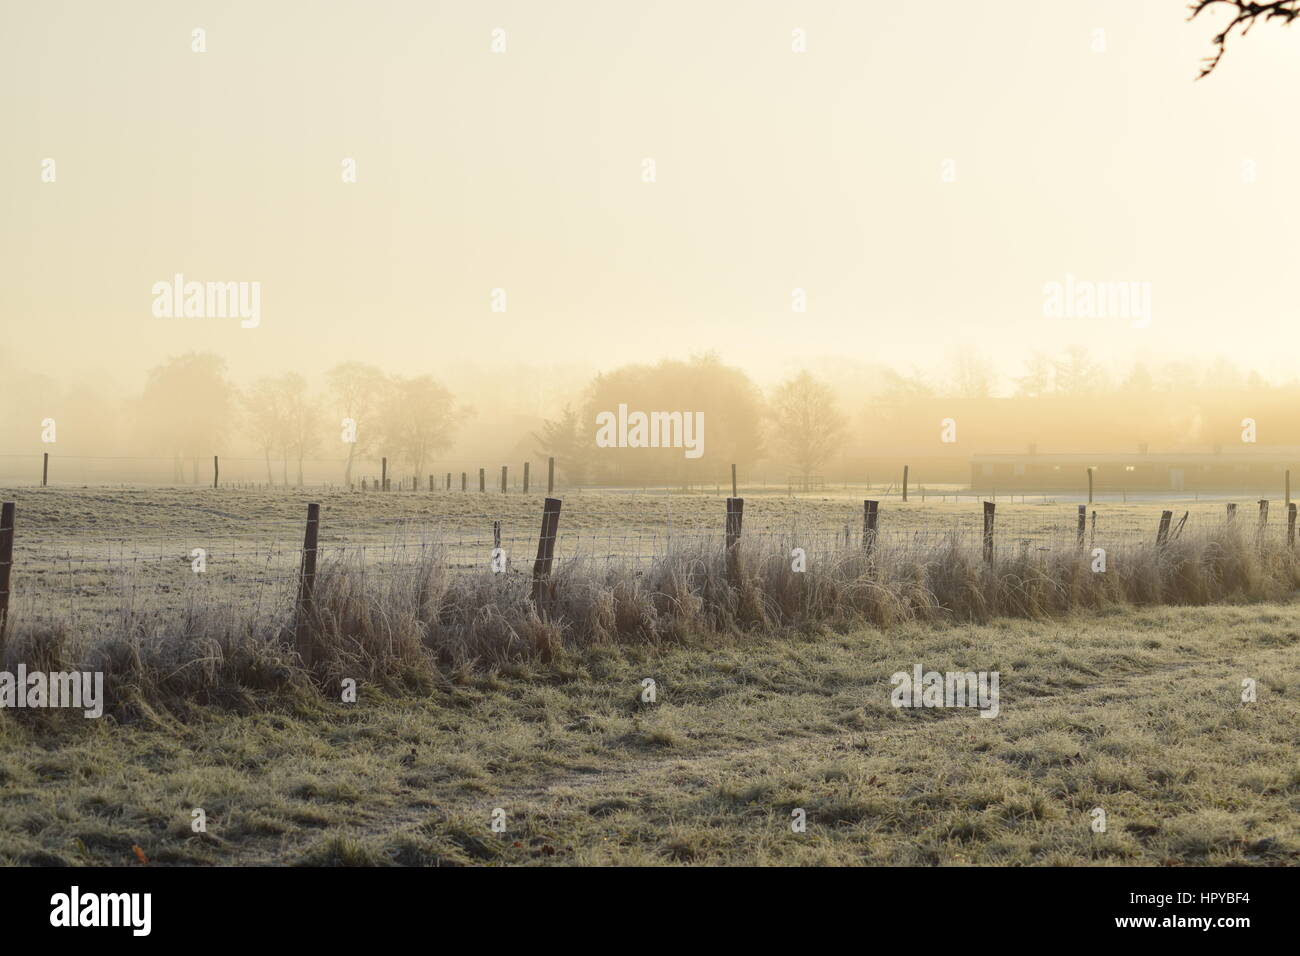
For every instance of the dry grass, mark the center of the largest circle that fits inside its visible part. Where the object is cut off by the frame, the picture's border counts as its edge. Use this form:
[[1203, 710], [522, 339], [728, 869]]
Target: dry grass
[[416, 625], [1134, 711]]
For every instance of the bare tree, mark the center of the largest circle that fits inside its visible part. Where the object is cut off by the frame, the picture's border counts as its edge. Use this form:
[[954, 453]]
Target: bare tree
[[1077, 374], [419, 419], [187, 408], [1037, 379], [1245, 14], [301, 426], [358, 392], [971, 375], [263, 419], [807, 425]]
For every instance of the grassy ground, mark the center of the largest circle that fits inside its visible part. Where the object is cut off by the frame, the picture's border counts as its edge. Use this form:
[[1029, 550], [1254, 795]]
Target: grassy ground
[[82, 553], [69, 515], [1138, 712]]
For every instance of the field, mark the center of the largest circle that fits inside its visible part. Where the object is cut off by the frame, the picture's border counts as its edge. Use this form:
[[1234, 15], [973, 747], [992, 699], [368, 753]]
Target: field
[[1120, 691], [1139, 714], [78, 550]]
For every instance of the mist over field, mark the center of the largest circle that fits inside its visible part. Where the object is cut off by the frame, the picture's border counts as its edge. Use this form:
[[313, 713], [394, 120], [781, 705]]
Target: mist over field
[[597, 433]]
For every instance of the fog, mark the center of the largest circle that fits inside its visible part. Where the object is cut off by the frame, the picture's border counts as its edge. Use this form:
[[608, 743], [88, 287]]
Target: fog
[[1029, 218]]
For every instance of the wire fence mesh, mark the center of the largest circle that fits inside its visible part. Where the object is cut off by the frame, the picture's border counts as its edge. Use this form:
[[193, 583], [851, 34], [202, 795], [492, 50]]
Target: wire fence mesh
[[86, 572]]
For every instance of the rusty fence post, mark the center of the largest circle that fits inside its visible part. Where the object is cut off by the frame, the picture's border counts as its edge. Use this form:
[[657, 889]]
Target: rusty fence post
[[6, 563], [1162, 533], [990, 509], [307, 585], [870, 514], [545, 551], [735, 518]]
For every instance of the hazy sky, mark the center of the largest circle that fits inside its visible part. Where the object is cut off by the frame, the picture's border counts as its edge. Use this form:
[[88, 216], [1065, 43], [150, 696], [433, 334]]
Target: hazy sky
[[523, 170]]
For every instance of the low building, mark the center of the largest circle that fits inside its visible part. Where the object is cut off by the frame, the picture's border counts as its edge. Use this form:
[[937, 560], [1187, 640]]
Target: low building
[[1253, 471]]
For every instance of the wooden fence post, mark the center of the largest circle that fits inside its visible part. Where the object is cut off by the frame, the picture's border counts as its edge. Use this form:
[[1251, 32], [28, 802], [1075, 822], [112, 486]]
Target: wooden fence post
[[733, 481], [482, 480], [1288, 487], [1093, 542], [1089, 486], [1263, 514], [463, 479], [216, 471], [6, 563], [545, 551], [496, 535], [1162, 533], [383, 477], [1232, 511], [1290, 526], [870, 512], [905, 482], [525, 477], [989, 510], [1083, 517], [45, 471], [550, 476], [307, 585], [735, 518], [503, 479]]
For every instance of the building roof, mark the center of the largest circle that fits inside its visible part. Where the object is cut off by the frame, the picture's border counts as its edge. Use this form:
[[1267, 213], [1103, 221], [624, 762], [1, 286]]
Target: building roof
[[1264, 456]]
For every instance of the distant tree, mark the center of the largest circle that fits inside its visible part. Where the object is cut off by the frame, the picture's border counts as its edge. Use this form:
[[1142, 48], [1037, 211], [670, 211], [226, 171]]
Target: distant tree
[[1223, 374], [264, 420], [187, 409], [1244, 14], [357, 391], [731, 404], [1038, 378], [901, 389], [970, 375], [807, 425], [1077, 374], [569, 441], [300, 419], [418, 419], [1179, 377], [1138, 379]]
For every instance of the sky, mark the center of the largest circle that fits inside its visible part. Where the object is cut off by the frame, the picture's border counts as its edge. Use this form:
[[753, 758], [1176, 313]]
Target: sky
[[922, 172]]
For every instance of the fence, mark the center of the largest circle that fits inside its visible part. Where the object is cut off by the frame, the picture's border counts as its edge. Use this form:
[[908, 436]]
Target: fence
[[256, 474], [83, 582]]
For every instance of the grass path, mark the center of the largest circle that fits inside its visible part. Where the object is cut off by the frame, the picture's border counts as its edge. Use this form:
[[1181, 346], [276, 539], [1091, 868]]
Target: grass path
[[1136, 713]]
